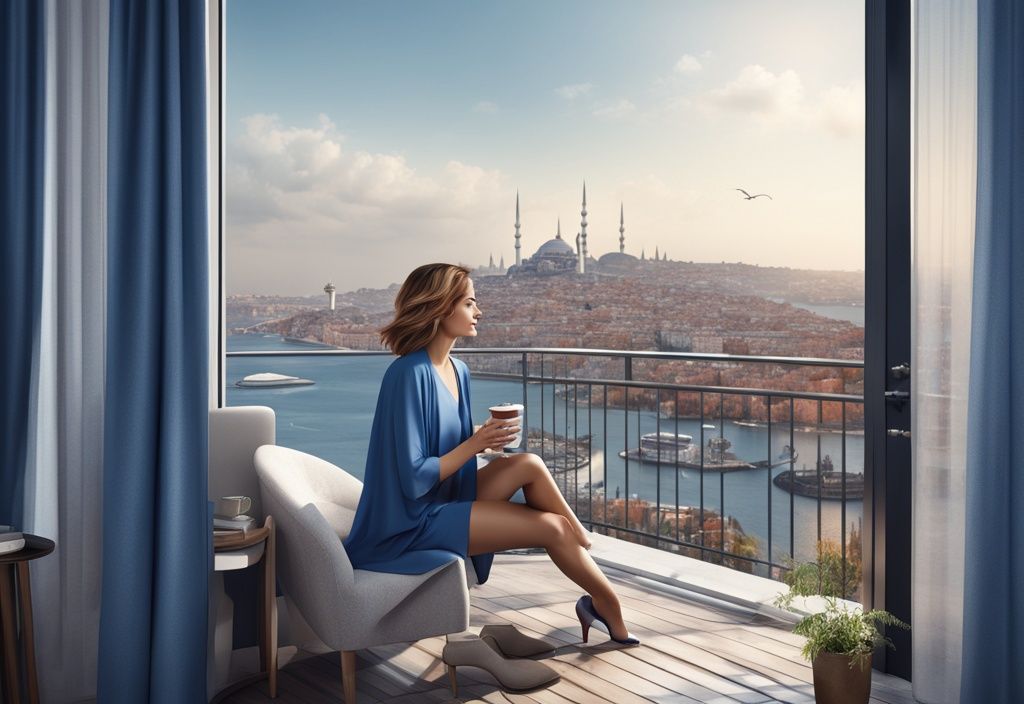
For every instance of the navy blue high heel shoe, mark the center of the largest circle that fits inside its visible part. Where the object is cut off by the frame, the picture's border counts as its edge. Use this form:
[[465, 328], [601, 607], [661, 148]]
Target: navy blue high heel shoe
[[588, 616]]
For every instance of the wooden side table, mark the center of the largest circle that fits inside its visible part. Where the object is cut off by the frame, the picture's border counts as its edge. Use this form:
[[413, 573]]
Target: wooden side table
[[223, 547], [15, 601]]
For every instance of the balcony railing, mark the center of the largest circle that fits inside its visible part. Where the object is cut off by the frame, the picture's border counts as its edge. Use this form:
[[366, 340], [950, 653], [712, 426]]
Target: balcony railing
[[588, 410]]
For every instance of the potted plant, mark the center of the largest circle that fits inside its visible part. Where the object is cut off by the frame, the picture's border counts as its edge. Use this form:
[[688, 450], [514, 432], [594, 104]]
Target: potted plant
[[841, 637]]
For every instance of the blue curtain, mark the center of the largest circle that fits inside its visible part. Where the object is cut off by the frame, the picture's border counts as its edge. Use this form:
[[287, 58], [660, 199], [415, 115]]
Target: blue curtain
[[156, 529], [22, 132], [993, 651]]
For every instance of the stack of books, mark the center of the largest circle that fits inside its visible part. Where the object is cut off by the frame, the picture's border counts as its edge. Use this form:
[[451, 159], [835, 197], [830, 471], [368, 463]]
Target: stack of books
[[10, 540], [242, 523]]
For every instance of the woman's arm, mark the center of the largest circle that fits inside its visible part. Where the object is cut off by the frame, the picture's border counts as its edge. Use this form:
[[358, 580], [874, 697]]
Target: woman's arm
[[491, 434]]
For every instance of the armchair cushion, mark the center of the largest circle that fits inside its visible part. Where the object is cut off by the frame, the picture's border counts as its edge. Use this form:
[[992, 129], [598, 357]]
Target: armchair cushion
[[340, 517]]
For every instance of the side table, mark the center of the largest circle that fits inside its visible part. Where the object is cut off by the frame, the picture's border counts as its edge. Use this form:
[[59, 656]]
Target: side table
[[227, 548], [15, 602]]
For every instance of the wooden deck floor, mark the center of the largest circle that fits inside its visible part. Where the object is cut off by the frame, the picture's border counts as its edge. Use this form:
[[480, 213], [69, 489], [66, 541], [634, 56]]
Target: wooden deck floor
[[690, 652]]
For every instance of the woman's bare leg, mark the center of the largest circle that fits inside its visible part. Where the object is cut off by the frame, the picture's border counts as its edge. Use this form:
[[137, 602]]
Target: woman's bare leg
[[502, 477], [500, 525]]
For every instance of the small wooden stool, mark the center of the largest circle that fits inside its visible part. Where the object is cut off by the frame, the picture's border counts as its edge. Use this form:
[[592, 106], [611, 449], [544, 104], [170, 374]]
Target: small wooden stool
[[15, 602]]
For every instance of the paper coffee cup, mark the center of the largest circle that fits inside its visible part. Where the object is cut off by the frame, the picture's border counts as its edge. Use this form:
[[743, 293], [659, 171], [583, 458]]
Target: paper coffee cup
[[506, 411]]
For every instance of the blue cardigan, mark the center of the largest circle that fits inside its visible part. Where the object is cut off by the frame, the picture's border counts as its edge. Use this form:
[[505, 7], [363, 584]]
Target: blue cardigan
[[402, 471]]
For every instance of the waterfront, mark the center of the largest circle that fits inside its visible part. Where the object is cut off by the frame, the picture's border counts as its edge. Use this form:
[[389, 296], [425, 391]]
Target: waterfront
[[332, 419]]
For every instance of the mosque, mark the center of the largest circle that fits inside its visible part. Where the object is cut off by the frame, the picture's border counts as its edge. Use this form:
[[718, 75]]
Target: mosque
[[556, 256]]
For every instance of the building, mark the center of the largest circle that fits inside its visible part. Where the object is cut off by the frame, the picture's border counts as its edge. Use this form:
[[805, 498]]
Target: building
[[557, 256]]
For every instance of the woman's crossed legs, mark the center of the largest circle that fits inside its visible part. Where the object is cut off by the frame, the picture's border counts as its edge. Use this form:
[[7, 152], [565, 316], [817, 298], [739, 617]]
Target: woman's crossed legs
[[547, 521]]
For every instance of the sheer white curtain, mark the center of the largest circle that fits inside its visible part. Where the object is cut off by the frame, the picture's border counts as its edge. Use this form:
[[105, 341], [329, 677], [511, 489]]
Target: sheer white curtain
[[944, 86], [65, 472]]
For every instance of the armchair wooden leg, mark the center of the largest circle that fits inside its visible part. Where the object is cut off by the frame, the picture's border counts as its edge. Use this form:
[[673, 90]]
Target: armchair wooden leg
[[348, 675]]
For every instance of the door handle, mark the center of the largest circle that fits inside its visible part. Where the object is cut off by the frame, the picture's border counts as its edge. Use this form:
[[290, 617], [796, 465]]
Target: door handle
[[900, 371], [897, 433]]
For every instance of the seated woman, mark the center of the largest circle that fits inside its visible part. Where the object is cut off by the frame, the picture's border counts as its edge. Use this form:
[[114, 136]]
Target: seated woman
[[424, 503]]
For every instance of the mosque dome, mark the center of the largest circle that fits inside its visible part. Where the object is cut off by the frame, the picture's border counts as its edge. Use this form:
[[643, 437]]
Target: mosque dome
[[556, 246], [620, 259]]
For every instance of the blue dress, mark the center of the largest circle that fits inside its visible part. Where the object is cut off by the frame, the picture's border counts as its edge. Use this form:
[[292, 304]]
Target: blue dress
[[407, 521]]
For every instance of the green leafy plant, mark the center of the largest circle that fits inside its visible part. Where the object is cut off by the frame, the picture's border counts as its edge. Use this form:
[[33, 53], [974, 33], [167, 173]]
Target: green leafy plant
[[839, 629], [854, 633]]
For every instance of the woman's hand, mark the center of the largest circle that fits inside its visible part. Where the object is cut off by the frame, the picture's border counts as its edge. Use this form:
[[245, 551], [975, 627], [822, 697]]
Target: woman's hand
[[495, 433]]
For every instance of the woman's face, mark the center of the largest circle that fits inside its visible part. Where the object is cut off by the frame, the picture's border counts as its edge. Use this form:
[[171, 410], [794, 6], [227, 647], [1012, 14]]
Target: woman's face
[[462, 321]]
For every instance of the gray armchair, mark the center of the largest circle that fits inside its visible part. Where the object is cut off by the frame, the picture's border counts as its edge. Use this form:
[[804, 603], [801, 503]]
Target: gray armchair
[[313, 503]]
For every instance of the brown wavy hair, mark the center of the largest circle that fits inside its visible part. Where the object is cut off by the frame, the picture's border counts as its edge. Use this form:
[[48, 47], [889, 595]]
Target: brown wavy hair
[[428, 295]]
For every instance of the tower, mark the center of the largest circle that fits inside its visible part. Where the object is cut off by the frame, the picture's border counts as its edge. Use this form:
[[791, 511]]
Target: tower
[[329, 290], [657, 257], [583, 232], [490, 262], [622, 229], [518, 258], [502, 264]]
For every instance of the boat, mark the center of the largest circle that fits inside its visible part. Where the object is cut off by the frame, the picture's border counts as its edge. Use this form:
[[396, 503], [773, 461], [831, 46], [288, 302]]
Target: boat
[[271, 380], [805, 482], [668, 449], [749, 424]]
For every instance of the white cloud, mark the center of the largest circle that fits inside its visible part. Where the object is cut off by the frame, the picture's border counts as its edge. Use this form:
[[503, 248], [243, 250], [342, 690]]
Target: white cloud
[[760, 92], [485, 106], [302, 205], [780, 98], [619, 110], [574, 90], [688, 64]]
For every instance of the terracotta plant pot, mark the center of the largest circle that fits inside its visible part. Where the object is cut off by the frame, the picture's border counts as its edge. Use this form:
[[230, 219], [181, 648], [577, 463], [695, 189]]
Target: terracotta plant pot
[[836, 682]]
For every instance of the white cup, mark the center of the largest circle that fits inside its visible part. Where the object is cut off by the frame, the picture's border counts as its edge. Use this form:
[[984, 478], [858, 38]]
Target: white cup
[[505, 412], [231, 506]]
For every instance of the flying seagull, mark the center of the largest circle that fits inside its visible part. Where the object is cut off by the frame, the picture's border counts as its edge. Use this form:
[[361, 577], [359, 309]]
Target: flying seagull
[[750, 197]]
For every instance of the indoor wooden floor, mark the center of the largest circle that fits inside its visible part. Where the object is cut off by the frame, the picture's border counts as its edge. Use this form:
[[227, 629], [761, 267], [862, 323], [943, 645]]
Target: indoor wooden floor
[[691, 652]]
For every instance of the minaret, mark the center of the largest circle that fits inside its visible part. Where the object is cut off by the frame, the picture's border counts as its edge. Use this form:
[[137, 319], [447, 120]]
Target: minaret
[[583, 231], [518, 258], [502, 264], [657, 257], [579, 254], [490, 263], [558, 235], [622, 230], [641, 254], [329, 290]]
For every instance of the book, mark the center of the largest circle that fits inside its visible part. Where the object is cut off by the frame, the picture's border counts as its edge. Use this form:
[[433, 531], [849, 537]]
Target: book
[[12, 544], [242, 522]]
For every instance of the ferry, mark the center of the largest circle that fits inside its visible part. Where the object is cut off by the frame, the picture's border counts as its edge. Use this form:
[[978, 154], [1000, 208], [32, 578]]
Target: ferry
[[807, 482], [271, 380], [670, 448]]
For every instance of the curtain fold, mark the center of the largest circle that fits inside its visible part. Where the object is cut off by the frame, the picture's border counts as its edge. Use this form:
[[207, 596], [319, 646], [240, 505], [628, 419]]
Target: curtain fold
[[993, 609], [943, 166], [22, 139], [63, 494], [156, 531]]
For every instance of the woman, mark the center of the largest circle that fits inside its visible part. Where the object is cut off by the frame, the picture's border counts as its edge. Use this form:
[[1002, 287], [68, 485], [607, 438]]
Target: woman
[[424, 502]]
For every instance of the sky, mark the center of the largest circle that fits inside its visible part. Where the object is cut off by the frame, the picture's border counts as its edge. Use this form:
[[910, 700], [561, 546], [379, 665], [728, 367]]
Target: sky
[[367, 138]]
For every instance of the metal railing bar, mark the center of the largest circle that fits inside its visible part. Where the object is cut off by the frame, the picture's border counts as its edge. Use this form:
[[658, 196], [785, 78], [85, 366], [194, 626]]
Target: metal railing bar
[[627, 354]]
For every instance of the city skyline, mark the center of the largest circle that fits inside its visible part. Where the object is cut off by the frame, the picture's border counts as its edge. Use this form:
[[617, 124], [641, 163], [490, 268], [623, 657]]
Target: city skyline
[[363, 141]]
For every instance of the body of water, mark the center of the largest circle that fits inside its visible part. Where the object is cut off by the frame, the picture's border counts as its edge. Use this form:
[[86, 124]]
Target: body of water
[[332, 419], [855, 314]]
